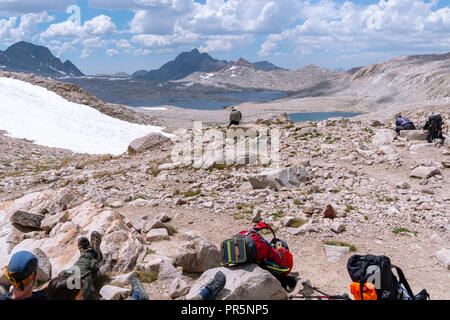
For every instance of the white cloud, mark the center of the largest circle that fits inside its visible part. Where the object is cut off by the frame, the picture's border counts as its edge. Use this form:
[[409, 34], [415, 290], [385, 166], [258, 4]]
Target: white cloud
[[347, 26], [100, 25], [226, 43], [112, 52], [27, 28]]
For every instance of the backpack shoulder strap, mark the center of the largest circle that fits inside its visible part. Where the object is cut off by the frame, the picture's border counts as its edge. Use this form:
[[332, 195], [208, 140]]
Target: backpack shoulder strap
[[403, 281]]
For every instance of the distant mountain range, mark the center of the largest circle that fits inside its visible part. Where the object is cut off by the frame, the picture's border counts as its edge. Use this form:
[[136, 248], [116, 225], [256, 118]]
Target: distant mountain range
[[27, 57], [189, 62]]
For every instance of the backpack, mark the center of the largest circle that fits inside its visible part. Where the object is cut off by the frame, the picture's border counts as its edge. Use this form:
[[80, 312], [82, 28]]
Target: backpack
[[373, 276], [236, 251], [434, 123]]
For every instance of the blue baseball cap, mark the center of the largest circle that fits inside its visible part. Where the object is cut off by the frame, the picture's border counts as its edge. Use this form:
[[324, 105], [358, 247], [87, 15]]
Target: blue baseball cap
[[21, 269]]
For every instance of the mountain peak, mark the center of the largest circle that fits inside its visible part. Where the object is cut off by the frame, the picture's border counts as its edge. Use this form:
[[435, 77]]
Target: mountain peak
[[30, 58]]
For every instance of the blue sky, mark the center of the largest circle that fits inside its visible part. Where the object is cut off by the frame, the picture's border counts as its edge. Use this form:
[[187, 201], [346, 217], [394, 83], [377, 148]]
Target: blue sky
[[130, 35]]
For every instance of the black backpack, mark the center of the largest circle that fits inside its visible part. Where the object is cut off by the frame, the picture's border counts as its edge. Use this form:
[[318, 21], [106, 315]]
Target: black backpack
[[434, 123], [378, 270]]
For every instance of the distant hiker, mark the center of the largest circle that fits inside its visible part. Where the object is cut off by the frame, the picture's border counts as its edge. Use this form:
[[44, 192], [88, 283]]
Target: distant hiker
[[434, 126], [251, 247], [82, 275], [235, 117], [212, 289], [402, 123], [22, 274]]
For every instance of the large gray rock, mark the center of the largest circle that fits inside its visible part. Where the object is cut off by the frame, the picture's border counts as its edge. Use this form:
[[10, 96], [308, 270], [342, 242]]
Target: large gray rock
[[157, 224], [114, 293], [246, 282], [281, 178], [444, 256], [424, 172], [26, 219], [414, 134], [44, 265], [157, 235], [384, 136], [178, 288], [198, 255], [49, 222], [120, 252], [336, 253], [148, 142]]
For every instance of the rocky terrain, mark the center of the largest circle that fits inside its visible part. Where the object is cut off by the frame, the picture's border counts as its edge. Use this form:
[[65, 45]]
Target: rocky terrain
[[345, 186], [246, 75]]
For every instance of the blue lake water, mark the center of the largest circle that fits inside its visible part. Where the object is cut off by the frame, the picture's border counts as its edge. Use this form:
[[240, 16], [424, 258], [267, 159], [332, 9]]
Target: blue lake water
[[216, 101], [320, 116]]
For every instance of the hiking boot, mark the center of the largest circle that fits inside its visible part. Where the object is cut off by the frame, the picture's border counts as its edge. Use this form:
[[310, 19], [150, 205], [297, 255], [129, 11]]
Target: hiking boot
[[96, 240], [216, 285], [83, 245]]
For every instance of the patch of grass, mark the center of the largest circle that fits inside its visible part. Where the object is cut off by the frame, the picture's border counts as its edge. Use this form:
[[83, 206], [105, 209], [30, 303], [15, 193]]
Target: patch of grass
[[147, 277], [192, 193], [238, 216], [298, 222], [398, 230], [150, 251], [298, 202], [340, 244], [349, 208], [366, 218]]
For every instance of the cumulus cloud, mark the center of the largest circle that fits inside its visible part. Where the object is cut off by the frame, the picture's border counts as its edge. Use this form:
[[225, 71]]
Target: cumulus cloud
[[100, 25], [112, 52], [349, 26], [27, 28]]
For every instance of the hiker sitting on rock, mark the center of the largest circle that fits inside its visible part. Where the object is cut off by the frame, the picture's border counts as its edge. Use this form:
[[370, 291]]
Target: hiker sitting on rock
[[251, 247], [235, 117], [78, 282], [402, 123], [22, 274]]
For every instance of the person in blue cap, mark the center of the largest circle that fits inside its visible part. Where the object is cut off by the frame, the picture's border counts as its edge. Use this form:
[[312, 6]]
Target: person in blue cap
[[22, 274]]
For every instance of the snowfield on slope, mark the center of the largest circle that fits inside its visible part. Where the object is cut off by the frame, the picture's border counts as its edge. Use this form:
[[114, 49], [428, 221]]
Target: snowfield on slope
[[37, 114]]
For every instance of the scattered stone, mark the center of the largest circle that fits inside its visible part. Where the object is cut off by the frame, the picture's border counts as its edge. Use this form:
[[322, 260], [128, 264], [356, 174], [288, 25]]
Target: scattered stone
[[148, 142], [155, 235], [178, 288], [329, 213], [27, 219], [424, 172], [109, 292], [197, 255], [338, 227], [336, 253], [444, 256]]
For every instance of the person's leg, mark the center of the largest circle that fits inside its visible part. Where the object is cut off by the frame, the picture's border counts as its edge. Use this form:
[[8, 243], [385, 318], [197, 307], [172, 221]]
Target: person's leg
[[212, 289], [138, 291]]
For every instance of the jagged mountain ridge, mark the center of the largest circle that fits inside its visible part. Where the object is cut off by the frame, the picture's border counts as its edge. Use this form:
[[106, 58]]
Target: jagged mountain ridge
[[245, 75], [27, 57]]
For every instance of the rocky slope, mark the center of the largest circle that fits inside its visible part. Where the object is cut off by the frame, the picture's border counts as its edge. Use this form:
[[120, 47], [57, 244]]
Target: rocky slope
[[27, 57], [350, 182], [245, 75]]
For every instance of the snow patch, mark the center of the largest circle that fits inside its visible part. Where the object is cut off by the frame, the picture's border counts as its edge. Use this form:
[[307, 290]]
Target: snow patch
[[35, 113]]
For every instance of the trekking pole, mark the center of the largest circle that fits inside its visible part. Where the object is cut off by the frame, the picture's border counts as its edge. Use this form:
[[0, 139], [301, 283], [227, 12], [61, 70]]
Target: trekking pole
[[325, 296], [340, 297]]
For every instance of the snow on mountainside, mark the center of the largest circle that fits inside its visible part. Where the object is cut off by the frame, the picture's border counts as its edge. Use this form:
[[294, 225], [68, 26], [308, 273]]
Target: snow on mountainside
[[34, 113]]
